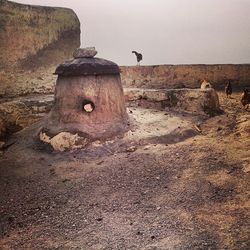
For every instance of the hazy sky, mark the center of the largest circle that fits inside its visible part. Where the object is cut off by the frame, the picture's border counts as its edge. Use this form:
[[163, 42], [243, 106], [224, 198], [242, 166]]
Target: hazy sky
[[164, 31]]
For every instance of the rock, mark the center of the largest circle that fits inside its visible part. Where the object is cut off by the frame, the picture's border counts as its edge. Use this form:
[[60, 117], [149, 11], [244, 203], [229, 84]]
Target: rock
[[132, 94], [2, 143], [88, 107], [64, 141], [131, 149], [243, 126], [100, 162], [99, 219], [85, 52]]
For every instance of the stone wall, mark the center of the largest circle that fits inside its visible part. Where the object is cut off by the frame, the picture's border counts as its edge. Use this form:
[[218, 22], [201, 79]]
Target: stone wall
[[190, 76]]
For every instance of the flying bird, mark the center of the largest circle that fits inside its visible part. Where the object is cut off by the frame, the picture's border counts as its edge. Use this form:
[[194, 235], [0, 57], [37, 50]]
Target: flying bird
[[138, 57]]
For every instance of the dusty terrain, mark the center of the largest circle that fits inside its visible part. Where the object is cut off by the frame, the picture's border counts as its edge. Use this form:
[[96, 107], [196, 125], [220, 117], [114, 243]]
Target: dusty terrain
[[163, 186]]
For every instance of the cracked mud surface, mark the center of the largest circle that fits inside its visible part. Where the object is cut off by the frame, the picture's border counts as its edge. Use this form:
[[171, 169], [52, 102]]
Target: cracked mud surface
[[162, 186]]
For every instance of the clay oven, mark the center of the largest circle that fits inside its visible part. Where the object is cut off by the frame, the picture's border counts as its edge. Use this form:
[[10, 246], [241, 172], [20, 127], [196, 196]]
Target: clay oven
[[88, 97]]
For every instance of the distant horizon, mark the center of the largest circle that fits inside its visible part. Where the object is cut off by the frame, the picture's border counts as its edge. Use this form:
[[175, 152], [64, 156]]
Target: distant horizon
[[166, 32]]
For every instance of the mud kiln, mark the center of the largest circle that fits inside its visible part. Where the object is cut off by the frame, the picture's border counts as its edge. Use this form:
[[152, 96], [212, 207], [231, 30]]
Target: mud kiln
[[88, 97]]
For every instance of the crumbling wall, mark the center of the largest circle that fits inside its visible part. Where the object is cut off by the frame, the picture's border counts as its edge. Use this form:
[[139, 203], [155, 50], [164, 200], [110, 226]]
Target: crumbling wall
[[25, 30], [33, 40], [190, 76]]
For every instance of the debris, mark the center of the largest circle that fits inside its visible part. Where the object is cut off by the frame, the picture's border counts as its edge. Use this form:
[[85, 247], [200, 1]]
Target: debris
[[2, 143], [65, 180], [99, 219], [219, 128], [99, 163], [97, 143], [131, 149], [197, 127], [52, 171], [64, 141], [7, 144], [11, 219]]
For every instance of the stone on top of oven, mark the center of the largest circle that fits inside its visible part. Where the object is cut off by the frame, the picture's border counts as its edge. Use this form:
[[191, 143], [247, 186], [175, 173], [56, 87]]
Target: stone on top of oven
[[88, 52]]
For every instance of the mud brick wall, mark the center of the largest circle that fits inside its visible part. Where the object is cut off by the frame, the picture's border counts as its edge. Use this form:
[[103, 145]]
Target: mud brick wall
[[190, 76]]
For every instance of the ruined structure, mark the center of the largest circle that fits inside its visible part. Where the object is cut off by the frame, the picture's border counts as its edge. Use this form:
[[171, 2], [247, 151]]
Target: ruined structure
[[33, 41], [88, 98]]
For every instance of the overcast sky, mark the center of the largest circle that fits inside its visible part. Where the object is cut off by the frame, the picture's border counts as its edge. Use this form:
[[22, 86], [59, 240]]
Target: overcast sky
[[164, 31]]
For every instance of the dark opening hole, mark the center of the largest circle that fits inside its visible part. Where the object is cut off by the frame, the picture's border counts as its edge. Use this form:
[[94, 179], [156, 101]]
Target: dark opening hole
[[88, 106]]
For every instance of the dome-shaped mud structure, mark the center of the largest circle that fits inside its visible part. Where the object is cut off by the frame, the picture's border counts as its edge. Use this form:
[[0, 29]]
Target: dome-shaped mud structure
[[88, 99]]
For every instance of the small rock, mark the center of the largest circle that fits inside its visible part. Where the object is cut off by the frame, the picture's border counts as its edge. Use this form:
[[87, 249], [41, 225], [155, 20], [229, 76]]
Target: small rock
[[100, 162], [88, 107], [65, 180], [89, 52], [131, 149], [11, 219], [52, 171], [64, 141], [2, 143], [99, 219]]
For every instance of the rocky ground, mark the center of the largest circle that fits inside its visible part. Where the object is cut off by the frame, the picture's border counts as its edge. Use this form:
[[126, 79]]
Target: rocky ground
[[175, 181]]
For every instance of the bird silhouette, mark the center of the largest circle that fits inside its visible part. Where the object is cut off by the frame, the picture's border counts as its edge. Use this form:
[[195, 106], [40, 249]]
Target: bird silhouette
[[228, 89], [245, 98], [138, 57]]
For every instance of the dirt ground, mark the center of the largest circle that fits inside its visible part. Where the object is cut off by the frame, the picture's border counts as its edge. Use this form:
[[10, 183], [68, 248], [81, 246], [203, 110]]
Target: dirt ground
[[164, 185]]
